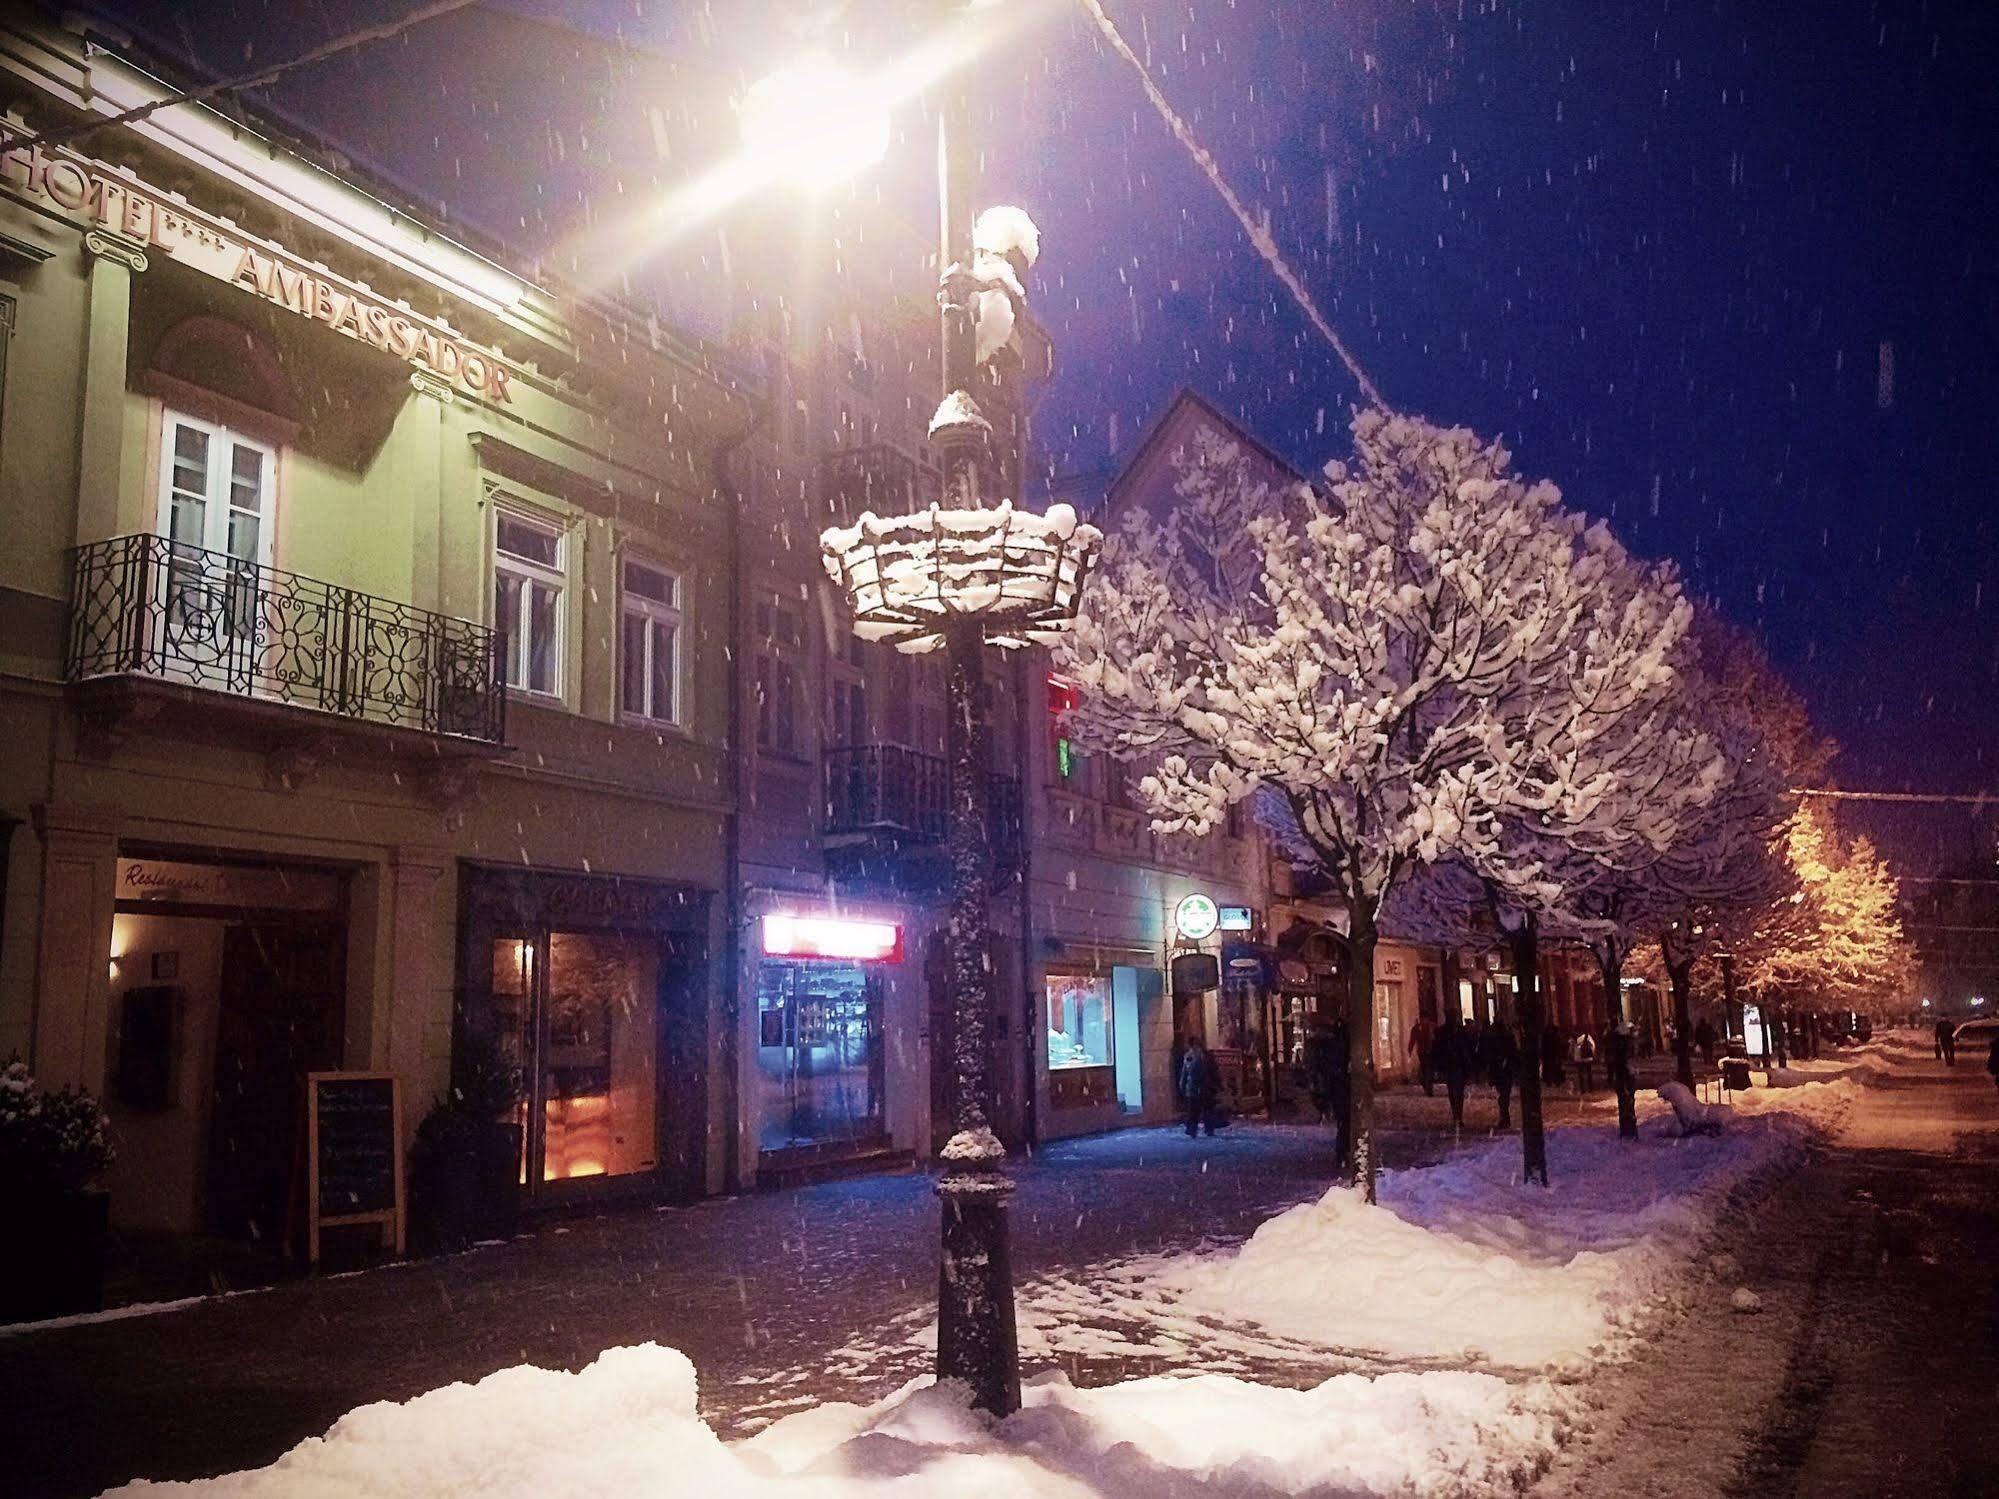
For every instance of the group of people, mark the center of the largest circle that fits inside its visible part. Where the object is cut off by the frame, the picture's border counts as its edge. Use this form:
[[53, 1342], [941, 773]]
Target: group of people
[[1459, 1052]]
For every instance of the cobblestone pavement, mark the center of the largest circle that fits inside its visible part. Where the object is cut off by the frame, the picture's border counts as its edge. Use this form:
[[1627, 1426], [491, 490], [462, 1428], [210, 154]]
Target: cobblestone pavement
[[760, 1291]]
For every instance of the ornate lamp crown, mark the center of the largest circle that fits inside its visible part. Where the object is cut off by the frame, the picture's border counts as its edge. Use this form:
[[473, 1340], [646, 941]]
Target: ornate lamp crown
[[911, 578]]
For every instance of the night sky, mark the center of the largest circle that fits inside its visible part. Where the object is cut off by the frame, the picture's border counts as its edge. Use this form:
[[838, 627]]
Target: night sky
[[1660, 246]]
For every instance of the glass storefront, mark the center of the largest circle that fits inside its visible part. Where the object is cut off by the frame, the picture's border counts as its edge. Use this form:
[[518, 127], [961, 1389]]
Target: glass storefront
[[1079, 1020], [819, 1053], [579, 1012]]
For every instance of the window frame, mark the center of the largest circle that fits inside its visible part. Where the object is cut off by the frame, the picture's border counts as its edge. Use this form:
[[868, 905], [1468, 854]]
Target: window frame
[[789, 654], [671, 616], [219, 484], [532, 573]]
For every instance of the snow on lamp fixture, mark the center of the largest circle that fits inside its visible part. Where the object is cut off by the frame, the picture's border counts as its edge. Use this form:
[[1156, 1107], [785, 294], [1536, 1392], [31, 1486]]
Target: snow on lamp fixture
[[814, 123]]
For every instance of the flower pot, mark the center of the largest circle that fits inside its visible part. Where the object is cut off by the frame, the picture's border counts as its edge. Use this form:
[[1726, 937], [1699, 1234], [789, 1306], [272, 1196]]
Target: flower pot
[[52, 1255]]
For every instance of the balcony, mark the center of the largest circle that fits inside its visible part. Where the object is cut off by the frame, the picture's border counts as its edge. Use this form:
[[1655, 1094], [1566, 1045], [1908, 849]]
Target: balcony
[[887, 807], [154, 611]]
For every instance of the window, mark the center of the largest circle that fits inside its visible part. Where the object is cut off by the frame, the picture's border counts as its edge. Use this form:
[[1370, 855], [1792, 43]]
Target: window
[[847, 691], [778, 639], [215, 506], [528, 580], [215, 489], [649, 642], [1062, 701], [1079, 1020]]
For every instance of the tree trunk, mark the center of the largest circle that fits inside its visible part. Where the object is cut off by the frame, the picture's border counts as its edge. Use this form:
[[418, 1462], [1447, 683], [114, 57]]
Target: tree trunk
[[1361, 937], [1610, 960], [1526, 944], [1681, 977]]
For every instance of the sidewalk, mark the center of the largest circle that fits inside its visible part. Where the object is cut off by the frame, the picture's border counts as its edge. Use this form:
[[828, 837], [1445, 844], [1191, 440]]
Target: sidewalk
[[1873, 1369], [747, 1286]]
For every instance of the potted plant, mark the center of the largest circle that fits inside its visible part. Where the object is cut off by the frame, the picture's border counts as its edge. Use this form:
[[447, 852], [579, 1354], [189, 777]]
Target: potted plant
[[53, 1147], [465, 1162]]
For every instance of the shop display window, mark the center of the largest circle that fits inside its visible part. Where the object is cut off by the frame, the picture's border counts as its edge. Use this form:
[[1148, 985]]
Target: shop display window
[[819, 1052], [1079, 1020]]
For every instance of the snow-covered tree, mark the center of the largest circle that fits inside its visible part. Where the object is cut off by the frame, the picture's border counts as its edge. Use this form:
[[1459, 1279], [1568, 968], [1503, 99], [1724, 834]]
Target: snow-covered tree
[[1839, 940], [1426, 652]]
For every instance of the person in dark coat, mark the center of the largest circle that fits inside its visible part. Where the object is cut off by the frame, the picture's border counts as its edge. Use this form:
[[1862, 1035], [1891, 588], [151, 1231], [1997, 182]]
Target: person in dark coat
[[1705, 1039], [1328, 1073], [1450, 1057], [1992, 1060], [1617, 1062], [1502, 1063], [1585, 1056], [1946, 1043], [1198, 1085], [1554, 1047]]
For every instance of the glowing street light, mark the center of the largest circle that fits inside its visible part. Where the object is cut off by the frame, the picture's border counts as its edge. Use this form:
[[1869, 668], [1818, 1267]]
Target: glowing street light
[[813, 123]]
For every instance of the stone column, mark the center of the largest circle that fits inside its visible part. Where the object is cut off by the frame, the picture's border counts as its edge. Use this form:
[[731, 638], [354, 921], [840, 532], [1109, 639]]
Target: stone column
[[412, 1036], [71, 1031], [106, 505]]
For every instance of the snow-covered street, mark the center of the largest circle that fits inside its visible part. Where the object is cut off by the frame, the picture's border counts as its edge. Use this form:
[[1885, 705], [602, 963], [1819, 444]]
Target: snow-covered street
[[1468, 1336]]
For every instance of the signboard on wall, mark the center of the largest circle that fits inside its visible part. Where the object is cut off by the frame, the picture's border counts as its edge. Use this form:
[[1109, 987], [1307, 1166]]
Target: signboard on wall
[[786, 936], [113, 200], [1196, 917], [175, 882], [1237, 918]]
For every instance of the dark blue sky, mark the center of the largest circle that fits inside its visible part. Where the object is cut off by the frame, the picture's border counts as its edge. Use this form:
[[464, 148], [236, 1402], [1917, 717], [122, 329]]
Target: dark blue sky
[[1659, 246]]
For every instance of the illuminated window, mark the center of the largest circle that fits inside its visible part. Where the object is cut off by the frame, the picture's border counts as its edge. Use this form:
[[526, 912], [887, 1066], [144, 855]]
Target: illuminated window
[[1062, 701], [1079, 1020]]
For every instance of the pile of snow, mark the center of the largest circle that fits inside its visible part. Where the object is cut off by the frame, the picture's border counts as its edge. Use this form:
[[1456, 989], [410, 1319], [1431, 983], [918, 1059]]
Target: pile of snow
[[1460, 1261], [626, 1428]]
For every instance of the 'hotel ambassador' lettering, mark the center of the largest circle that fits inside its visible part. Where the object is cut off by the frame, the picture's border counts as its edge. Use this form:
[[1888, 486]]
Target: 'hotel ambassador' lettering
[[265, 271]]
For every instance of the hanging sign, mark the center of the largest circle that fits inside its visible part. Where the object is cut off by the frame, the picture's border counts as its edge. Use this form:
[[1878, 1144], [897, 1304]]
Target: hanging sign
[[107, 198], [1196, 917], [1237, 918]]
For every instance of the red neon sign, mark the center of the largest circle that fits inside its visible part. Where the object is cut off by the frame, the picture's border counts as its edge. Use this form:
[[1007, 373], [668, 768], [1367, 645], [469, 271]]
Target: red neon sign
[[832, 937]]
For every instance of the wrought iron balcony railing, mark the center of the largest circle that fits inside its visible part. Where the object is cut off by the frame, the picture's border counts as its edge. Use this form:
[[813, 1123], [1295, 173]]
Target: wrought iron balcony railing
[[898, 798], [147, 606]]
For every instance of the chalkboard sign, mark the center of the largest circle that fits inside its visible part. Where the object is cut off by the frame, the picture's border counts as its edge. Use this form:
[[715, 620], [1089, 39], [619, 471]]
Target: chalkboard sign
[[354, 1153]]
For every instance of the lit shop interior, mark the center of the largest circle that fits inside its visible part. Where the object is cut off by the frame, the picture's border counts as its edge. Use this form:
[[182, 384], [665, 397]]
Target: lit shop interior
[[1093, 1038], [819, 1031]]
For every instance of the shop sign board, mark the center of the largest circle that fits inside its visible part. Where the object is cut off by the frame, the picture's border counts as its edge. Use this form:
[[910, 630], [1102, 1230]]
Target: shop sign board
[[1196, 917], [1237, 918], [112, 200], [354, 1157], [840, 938], [235, 886]]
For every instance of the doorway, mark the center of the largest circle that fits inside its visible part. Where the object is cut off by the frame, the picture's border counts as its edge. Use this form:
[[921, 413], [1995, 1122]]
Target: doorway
[[280, 1014], [819, 1054]]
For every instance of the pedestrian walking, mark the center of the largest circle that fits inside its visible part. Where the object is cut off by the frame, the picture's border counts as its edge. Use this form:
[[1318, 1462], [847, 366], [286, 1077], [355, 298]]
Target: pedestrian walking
[[1584, 1057], [1422, 1041], [1992, 1060], [1502, 1062], [1947, 1043], [1617, 1065], [1198, 1086], [1452, 1058], [1705, 1039]]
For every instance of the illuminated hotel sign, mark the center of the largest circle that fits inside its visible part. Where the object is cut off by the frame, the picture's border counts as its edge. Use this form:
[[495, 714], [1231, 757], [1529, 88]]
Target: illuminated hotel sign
[[110, 200], [832, 937]]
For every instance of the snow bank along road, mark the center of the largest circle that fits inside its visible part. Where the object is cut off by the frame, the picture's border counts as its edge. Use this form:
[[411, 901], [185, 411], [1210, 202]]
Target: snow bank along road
[[1494, 1316]]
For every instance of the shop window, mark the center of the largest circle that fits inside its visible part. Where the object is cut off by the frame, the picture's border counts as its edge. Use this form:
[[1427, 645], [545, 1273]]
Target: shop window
[[819, 1053], [1079, 1020], [649, 642], [778, 641], [529, 579]]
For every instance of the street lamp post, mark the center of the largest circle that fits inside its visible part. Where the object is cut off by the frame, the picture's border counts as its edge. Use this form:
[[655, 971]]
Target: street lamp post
[[961, 575]]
